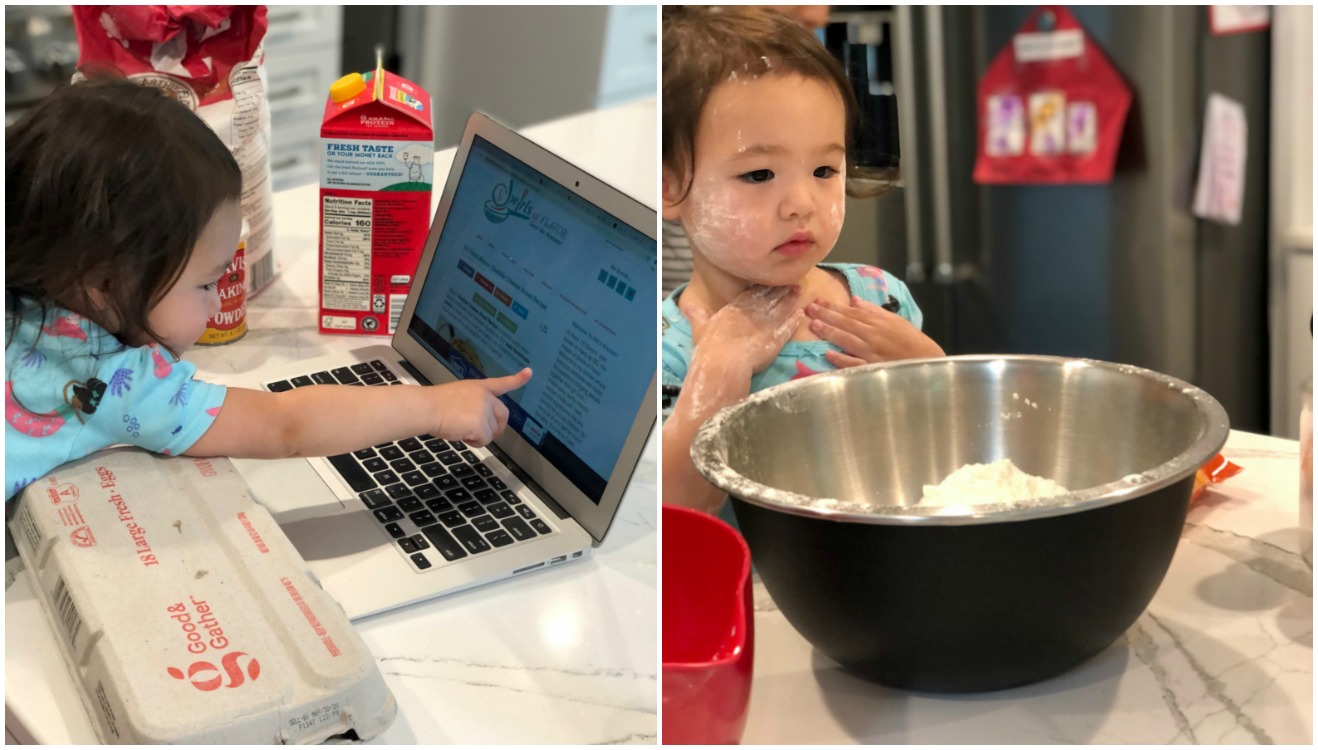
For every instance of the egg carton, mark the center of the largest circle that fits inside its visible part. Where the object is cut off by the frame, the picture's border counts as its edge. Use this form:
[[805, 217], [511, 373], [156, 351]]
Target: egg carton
[[183, 613]]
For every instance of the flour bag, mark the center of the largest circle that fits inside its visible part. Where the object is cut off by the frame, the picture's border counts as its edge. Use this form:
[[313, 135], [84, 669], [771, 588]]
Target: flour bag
[[210, 58]]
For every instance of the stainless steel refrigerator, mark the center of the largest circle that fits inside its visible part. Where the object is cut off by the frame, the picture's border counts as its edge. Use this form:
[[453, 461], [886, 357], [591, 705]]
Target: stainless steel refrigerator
[[1120, 272]]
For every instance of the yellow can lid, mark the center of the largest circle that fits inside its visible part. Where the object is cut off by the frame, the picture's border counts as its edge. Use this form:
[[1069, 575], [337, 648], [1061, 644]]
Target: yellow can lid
[[347, 87]]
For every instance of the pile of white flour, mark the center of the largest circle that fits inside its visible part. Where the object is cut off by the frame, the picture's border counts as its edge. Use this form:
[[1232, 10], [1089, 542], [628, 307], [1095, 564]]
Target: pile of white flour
[[971, 485], [981, 484]]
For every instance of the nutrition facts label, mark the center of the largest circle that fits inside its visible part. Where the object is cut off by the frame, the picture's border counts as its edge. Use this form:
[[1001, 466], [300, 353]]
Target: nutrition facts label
[[346, 259]]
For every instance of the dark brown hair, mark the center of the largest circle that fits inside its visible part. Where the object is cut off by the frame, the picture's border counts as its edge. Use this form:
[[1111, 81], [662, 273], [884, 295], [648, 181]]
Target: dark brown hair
[[108, 179], [703, 46]]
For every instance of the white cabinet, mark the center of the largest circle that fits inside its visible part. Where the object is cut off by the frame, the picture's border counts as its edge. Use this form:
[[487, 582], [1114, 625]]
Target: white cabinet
[[529, 64], [303, 47], [630, 65]]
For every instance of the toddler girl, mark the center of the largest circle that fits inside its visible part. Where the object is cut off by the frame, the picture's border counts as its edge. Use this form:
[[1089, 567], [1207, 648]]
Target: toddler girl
[[121, 213], [757, 118]]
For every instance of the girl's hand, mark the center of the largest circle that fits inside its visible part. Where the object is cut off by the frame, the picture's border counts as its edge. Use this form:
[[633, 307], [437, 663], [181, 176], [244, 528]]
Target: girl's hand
[[867, 333], [752, 328], [470, 410]]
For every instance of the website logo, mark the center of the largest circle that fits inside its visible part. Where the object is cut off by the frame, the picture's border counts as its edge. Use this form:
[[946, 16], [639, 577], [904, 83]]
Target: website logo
[[505, 201], [206, 677]]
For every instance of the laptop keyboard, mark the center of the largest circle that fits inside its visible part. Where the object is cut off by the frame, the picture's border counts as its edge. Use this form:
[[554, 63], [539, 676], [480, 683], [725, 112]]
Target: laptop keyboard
[[434, 498]]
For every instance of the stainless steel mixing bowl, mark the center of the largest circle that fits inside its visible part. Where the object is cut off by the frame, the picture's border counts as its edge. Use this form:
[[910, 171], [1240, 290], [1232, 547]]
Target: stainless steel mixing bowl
[[825, 474]]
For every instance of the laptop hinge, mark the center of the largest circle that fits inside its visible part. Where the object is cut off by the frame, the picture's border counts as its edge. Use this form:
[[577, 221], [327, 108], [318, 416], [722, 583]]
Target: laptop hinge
[[507, 462], [415, 373]]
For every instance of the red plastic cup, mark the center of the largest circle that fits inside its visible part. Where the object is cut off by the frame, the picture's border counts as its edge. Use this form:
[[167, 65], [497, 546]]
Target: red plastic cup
[[709, 629]]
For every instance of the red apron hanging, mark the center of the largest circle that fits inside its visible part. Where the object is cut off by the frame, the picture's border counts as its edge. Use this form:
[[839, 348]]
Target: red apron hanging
[[1051, 107]]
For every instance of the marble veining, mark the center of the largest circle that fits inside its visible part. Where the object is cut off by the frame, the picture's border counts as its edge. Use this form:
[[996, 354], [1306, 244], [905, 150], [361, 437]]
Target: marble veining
[[603, 699], [536, 692], [638, 521], [647, 474], [1279, 564], [1144, 649], [517, 668], [631, 739], [1211, 684]]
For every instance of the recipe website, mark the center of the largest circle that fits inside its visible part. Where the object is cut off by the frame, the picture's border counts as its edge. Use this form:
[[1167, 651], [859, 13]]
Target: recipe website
[[527, 273]]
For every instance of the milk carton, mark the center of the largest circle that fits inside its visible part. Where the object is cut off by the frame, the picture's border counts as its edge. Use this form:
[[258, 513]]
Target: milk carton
[[183, 613], [376, 170]]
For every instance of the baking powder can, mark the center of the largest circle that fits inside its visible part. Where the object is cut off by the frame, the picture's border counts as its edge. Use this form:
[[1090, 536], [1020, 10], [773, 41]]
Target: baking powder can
[[230, 323]]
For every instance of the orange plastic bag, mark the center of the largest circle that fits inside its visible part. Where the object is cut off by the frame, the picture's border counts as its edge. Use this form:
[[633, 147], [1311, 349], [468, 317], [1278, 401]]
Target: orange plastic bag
[[1217, 469]]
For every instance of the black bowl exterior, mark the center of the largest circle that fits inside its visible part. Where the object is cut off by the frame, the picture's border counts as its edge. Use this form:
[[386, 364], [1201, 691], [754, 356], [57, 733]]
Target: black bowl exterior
[[967, 608]]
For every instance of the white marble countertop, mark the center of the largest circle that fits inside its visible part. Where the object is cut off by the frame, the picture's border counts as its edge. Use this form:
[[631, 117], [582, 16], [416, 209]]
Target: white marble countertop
[[1224, 653], [565, 655]]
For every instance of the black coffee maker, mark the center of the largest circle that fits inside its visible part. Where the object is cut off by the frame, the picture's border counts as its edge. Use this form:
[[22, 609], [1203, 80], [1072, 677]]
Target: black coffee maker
[[860, 37]]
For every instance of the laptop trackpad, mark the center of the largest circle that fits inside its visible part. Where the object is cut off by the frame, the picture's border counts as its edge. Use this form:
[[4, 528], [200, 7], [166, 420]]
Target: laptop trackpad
[[290, 489], [334, 537]]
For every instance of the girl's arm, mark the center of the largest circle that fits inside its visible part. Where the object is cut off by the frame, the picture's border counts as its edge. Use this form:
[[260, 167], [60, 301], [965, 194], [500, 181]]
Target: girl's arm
[[324, 420], [710, 385], [731, 345]]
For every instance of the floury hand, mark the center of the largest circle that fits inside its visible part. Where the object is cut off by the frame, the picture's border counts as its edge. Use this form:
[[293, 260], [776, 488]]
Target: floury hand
[[752, 328]]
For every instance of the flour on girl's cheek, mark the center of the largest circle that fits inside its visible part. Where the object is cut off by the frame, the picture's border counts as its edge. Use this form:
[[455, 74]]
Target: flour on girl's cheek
[[836, 213], [717, 225]]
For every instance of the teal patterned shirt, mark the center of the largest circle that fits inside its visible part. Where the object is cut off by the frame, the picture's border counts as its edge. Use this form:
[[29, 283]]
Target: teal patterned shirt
[[71, 389]]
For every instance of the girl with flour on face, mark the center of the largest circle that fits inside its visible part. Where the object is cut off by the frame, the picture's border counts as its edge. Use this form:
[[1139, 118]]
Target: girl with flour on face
[[757, 121]]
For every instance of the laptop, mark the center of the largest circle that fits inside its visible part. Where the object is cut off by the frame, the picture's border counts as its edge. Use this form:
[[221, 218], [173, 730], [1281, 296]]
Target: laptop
[[529, 261]]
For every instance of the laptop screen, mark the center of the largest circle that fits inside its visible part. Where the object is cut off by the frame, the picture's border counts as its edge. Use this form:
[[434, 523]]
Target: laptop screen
[[528, 273]]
